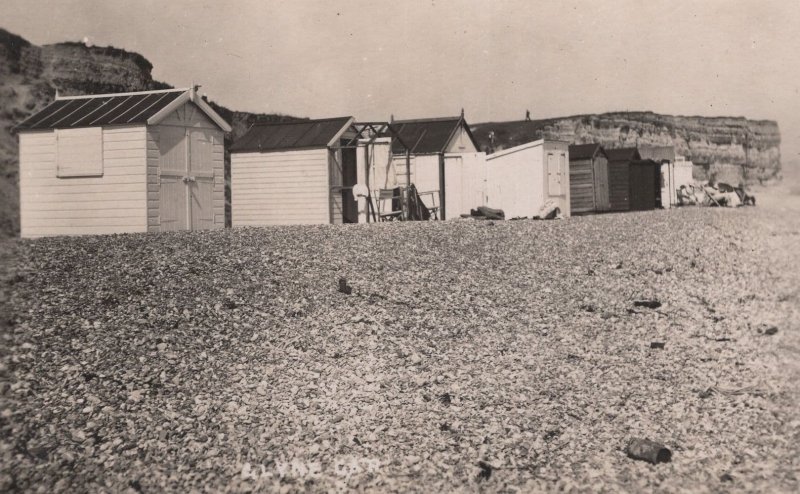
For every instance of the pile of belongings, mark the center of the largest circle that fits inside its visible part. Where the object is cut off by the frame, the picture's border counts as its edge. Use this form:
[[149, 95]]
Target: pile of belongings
[[417, 210], [549, 211], [719, 195], [484, 213]]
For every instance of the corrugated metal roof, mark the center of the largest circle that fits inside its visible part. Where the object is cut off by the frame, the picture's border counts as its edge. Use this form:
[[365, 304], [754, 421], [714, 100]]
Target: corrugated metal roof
[[584, 151], [427, 136], [657, 153], [622, 154], [283, 136], [89, 111]]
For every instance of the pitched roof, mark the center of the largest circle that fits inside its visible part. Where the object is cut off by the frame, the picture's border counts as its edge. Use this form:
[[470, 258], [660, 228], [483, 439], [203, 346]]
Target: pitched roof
[[623, 154], [584, 151], [283, 136], [657, 153], [428, 135], [146, 107]]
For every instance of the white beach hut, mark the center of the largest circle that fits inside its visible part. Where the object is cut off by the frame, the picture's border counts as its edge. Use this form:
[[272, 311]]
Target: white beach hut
[[115, 163], [521, 179]]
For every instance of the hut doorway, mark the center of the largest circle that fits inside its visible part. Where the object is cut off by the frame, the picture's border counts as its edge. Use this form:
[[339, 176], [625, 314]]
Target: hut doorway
[[349, 179], [187, 179]]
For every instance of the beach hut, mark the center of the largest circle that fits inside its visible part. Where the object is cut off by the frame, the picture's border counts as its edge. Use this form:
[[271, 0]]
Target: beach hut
[[645, 185], [128, 162], [665, 157], [446, 166], [294, 173], [619, 177], [521, 179], [588, 178]]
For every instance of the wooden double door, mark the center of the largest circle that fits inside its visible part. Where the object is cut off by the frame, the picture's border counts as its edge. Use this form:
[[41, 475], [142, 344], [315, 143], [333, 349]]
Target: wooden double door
[[187, 179]]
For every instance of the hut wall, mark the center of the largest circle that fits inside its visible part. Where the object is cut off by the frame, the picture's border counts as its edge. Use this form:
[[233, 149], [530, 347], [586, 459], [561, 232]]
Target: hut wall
[[280, 188], [582, 186], [114, 201], [601, 183], [618, 186], [644, 185]]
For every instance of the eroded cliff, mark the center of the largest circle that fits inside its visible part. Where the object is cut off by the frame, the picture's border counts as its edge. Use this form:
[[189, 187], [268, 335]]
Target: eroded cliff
[[726, 148]]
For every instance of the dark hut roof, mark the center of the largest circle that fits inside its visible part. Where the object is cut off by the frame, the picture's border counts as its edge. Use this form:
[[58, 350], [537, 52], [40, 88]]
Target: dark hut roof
[[112, 109], [623, 154], [584, 151], [284, 136], [429, 135]]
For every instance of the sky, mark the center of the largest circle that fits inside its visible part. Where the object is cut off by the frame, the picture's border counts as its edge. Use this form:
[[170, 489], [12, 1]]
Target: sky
[[495, 59]]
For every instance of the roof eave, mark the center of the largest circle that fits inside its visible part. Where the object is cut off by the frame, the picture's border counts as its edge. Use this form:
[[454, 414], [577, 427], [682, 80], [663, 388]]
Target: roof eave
[[184, 98], [341, 132]]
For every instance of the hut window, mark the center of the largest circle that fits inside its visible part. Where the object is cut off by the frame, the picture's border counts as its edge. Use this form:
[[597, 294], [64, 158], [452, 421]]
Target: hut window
[[79, 152]]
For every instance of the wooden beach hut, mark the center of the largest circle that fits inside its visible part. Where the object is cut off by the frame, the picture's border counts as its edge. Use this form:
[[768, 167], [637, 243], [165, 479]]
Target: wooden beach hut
[[588, 178], [294, 173], [619, 177], [114, 163]]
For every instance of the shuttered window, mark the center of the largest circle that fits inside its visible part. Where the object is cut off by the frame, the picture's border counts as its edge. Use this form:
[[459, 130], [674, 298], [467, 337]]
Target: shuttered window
[[79, 152]]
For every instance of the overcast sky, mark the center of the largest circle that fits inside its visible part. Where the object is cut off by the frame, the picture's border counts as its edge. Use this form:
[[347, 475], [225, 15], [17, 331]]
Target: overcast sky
[[431, 58]]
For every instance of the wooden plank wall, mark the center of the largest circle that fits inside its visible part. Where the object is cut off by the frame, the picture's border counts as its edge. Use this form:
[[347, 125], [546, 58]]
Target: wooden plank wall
[[112, 203], [581, 184], [280, 188], [601, 183], [618, 186]]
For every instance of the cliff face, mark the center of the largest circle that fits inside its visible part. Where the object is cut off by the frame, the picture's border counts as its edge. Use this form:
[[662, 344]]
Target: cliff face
[[725, 148], [29, 77]]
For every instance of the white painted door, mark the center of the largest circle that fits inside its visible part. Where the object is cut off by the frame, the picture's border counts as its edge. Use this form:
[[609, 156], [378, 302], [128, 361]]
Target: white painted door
[[187, 179], [201, 179], [174, 191], [555, 170], [453, 188]]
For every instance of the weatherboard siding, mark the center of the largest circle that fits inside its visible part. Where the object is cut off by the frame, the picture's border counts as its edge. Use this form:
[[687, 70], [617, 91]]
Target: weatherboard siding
[[618, 186], [581, 183], [112, 203], [280, 188], [153, 180]]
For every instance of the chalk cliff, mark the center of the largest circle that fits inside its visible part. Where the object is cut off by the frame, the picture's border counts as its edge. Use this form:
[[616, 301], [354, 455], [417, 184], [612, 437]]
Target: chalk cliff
[[726, 148]]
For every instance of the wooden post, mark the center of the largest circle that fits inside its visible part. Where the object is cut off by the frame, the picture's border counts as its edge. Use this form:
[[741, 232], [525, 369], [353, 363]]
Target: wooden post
[[408, 183]]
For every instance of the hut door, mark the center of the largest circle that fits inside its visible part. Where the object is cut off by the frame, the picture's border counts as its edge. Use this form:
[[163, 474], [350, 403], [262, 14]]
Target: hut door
[[554, 174], [349, 179], [453, 189], [172, 205], [201, 180]]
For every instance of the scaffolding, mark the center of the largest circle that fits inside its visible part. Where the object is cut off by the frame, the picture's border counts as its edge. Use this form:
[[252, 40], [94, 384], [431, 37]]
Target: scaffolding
[[363, 135]]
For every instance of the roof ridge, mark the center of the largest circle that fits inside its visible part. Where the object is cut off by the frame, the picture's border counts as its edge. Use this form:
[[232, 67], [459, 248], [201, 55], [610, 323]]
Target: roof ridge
[[422, 120], [331, 119], [132, 93]]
